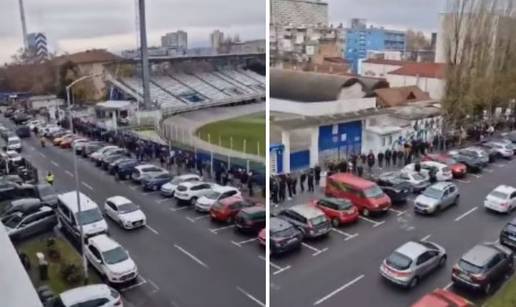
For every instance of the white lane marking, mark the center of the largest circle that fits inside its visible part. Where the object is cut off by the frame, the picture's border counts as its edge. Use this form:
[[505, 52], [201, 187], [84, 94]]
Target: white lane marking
[[375, 223], [348, 236], [152, 229], [42, 154], [489, 170], [138, 284], [54, 163], [426, 237], [132, 187], [178, 209], [195, 219], [314, 249], [69, 173], [448, 286], [239, 244], [160, 201], [398, 212], [87, 185], [278, 268], [184, 251], [154, 285], [465, 214], [349, 284], [463, 181], [254, 299], [476, 175], [215, 230]]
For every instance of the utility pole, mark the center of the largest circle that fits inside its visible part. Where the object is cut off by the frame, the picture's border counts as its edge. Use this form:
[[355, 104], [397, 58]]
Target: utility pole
[[144, 55], [24, 25]]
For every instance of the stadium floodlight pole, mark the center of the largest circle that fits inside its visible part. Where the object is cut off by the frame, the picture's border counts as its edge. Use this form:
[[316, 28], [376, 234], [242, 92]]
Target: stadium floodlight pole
[[144, 54], [75, 170]]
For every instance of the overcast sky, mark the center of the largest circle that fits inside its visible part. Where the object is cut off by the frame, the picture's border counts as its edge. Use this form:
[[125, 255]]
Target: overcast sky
[[400, 14], [73, 25]]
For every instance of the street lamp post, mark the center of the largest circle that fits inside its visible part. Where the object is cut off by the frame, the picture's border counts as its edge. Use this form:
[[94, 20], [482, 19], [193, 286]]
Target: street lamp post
[[76, 172]]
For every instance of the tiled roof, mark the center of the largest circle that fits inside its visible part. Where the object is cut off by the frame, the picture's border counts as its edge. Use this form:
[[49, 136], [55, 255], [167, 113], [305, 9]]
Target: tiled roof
[[398, 96], [424, 70]]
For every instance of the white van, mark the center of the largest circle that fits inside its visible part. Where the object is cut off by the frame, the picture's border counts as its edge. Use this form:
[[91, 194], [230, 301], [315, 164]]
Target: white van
[[14, 143], [90, 217]]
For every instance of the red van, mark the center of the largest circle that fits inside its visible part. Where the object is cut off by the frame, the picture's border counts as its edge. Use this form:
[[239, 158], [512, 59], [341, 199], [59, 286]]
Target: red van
[[364, 194]]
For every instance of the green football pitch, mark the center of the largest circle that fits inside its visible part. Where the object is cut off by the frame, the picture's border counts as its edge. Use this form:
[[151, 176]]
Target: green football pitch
[[249, 129]]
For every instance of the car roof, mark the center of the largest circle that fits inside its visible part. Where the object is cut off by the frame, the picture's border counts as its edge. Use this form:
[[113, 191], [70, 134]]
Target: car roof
[[187, 176], [504, 189], [480, 254], [231, 200], [119, 200], [353, 180], [412, 249], [103, 242], [337, 201], [277, 224], [307, 211], [253, 210], [25, 201], [190, 184], [223, 188], [80, 294], [142, 166], [434, 163], [442, 185], [70, 199]]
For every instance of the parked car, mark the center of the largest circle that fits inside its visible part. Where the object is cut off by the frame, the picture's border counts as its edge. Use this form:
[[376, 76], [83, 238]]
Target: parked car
[[395, 187], [418, 180], [501, 149], [226, 209], [437, 197], [483, 266], [23, 132], [90, 147], [90, 216], [144, 170], [105, 157], [412, 261], [458, 170], [441, 297], [123, 170], [124, 212], [67, 143], [154, 181], [262, 237], [217, 193], [98, 154], [502, 199], [91, 295], [57, 140], [189, 192], [508, 234], [106, 161], [20, 118], [250, 220], [169, 188], [435, 170], [47, 194], [110, 259], [473, 163], [364, 194], [20, 225], [14, 157], [79, 144], [14, 143], [479, 153], [113, 164], [338, 211], [311, 221], [284, 236], [23, 205]]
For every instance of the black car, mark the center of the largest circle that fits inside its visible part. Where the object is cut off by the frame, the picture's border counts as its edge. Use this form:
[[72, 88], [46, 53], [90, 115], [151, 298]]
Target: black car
[[154, 181], [20, 118], [284, 236], [250, 220], [473, 163], [508, 234], [104, 164], [23, 132], [396, 188], [125, 169], [111, 166]]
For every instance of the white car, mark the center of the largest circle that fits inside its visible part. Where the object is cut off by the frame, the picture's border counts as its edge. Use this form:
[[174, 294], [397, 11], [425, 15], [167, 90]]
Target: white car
[[142, 171], [34, 123], [14, 143], [442, 171], [502, 199], [99, 153], [14, 156], [168, 189], [502, 148], [218, 192], [92, 295], [124, 212], [110, 259], [191, 191]]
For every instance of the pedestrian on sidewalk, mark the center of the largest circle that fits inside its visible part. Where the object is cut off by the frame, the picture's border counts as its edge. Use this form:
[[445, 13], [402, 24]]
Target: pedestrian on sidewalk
[[289, 186], [360, 169], [282, 188], [302, 180], [317, 174], [394, 158], [380, 159], [310, 180], [388, 154], [370, 161]]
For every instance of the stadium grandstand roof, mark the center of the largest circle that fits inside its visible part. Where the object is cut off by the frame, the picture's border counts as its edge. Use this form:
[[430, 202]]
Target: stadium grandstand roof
[[87, 57]]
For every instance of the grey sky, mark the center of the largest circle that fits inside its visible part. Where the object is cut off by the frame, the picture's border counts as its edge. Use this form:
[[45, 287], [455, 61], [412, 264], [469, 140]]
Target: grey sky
[[401, 14], [72, 25]]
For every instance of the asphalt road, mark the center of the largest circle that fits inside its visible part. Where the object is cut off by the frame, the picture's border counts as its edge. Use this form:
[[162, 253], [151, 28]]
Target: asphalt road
[[343, 269], [183, 257]]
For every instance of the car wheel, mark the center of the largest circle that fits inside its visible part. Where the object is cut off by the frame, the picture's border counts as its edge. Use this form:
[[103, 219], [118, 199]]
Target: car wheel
[[442, 261], [193, 200], [366, 212], [487, 288], [413, 283], [456, 201], [335, 222]]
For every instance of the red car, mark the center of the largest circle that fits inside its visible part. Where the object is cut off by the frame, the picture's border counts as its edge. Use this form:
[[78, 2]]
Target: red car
[[442, 298], [261, 237], [338, 211], [458, 169], [226, 209]]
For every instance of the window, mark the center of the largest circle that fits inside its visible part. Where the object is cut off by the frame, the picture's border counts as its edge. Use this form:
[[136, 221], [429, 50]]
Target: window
[[494, 262], [111, 206], [95, 252], [424, 258], [99, 302], [383, 141]]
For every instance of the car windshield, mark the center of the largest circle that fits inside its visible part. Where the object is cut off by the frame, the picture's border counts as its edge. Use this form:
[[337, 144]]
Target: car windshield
[[285, 232], [179, 180], [46, 190], [213, 195], [89, 216], [373, 192], [11, 221], [321, 219], [128, 208], [432, 192], [418, 176], [116, 255], [399, 261], [498, 194], [469, 267]]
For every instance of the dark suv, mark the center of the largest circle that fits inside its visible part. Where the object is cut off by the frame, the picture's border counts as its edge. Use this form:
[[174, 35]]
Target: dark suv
[[284, 236], [483, 266], [508, 234], [395, 187], [125, 169], [250, 219]]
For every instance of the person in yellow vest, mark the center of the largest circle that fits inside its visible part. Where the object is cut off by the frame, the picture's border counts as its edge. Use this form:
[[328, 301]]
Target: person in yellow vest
[[50, 178]]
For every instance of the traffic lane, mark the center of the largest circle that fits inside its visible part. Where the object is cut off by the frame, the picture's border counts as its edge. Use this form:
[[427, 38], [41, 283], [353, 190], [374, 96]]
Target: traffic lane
[[421, 230], [89, 174]]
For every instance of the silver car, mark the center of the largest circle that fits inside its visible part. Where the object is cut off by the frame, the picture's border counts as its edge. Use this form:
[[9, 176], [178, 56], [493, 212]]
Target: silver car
[[502, 149], [412, 261], [437, 197]]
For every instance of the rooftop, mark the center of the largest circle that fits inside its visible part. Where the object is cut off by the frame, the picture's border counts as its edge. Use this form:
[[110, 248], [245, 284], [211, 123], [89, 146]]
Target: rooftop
[[424, 70], [397, 96], [88, 57], [386, 62]]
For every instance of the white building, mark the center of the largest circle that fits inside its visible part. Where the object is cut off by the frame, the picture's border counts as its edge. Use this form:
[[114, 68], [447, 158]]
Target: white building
[[216, 39], [379, 68], [175, 40], [299, 12], [430, 77]]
